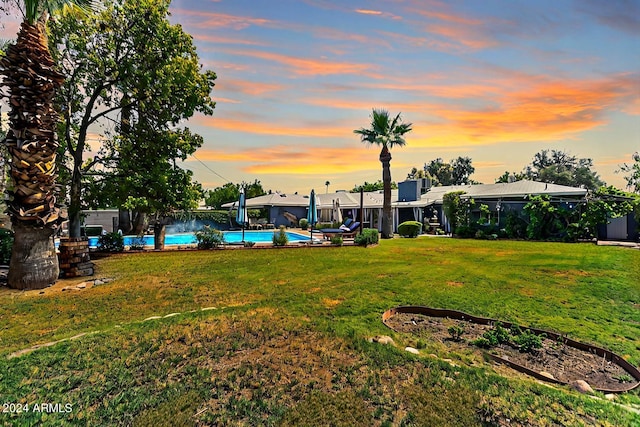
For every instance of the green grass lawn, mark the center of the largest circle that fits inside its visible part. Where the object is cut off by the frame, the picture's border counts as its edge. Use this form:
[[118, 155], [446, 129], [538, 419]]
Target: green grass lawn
[[284, 339]]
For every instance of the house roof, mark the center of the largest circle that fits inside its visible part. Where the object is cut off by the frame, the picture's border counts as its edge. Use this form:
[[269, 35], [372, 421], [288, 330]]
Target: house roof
[[273, 199], [517, 189], [372, 200]]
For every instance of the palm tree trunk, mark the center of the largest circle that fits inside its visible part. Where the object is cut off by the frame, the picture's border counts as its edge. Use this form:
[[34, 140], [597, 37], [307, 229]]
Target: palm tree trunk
[[387, 219], [34, 263], [32, 144]]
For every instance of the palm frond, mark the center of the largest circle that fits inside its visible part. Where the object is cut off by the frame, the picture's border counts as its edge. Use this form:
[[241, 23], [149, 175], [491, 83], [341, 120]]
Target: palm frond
[[34, 9]]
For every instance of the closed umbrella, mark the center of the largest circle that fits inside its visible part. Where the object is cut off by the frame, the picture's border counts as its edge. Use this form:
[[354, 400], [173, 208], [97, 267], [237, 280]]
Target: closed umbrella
[[241, 216], [337, 214], [312, 215]]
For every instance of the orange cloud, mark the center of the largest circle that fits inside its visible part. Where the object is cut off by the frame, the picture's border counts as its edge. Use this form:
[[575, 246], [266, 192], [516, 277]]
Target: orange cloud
[[211, 20], [488, 165], [227, 40], [261, 128], [309, 67], [614, 161], [220, 100], [247, 87], [296, 160], [544, 112]]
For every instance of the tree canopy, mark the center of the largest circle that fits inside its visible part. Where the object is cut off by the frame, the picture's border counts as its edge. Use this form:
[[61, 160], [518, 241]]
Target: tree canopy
[[128, 65], [457, 172], [372, 186], [562, 168], [230, 192], [632, 173]]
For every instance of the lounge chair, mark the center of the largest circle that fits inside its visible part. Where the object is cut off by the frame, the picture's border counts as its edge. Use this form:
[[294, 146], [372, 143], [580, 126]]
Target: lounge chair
[[353, 226]]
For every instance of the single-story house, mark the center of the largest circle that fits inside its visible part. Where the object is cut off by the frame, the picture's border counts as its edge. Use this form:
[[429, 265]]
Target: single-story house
[[413, 200], [418, 198]]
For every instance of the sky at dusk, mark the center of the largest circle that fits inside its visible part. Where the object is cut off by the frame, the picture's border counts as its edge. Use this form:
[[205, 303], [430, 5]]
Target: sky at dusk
[[496, 81]]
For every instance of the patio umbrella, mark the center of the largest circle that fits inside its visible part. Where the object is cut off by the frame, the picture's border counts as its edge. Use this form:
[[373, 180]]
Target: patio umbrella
[[241, 216], [312, 215], [337, 213]]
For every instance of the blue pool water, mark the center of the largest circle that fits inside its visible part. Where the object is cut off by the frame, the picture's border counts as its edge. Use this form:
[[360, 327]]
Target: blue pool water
[[190, 238]]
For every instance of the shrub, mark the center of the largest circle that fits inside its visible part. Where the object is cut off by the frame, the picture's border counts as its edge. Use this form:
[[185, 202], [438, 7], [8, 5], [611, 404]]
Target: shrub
[[249, 244], [457, 209], [497, 335], [337, 240], [456, 331], [111, 242], [137, 243], [6, 243], [515, 226], [209, 238], [410, 229], [465, 231], [369, 236], [482, 342], [280, 237], [303, 223], [527, 341]]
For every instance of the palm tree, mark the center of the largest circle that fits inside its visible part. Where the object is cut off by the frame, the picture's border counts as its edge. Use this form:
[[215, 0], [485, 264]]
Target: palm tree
[[29, 73], [385, 133]]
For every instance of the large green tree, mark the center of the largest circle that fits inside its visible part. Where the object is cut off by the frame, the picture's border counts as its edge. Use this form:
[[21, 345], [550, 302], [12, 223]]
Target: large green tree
[[632, 173], [386, 133], [129, 65], [457, 172], [230, 192], [148, 185], [372, 186], [560, 167], [30, 73]]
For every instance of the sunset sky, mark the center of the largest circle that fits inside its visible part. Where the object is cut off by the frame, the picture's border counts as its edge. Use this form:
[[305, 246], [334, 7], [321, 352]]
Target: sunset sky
[[496, 81]]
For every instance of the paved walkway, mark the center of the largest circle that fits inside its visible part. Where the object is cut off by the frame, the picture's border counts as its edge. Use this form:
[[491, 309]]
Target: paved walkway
[[633, 245]]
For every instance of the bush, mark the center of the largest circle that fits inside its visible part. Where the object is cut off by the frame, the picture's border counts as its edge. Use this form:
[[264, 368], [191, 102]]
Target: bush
[[527, 341], [410, 229], [137, 244], [111, 242], [369, 236], [6, 243], [209, 238], [280, 237], [482, 342], [321, 225], [249, 244], [456, 331], [465, 231], [303, 223], [497, 335], [337, 240]]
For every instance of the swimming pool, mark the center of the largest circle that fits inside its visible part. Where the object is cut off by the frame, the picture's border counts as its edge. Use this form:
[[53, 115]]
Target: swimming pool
[[187, 239]]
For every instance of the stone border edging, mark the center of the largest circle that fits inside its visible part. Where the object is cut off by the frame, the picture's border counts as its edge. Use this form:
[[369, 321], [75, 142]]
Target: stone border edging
[[459, 315]]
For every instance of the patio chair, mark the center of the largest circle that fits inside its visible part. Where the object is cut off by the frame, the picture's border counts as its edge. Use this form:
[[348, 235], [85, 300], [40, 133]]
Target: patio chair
[[350, 231], [254, 225]]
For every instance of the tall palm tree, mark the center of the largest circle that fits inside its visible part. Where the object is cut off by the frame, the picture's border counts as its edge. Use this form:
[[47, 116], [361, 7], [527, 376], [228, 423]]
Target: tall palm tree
[[386, 133], [29, 73]]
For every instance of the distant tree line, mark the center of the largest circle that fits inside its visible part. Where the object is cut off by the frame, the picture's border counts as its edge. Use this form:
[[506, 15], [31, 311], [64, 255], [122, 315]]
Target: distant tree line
[[552, 166]]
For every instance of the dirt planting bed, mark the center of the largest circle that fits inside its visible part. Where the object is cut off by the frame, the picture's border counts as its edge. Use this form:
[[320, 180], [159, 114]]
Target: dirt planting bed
[[555, 361]]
